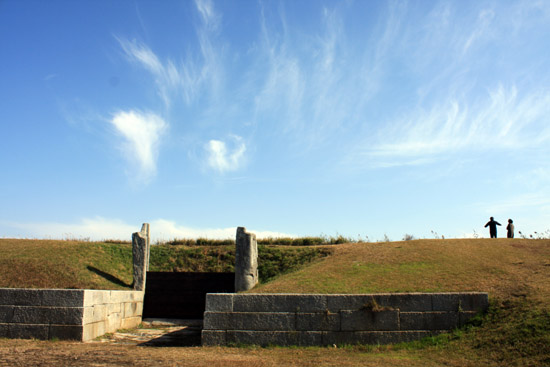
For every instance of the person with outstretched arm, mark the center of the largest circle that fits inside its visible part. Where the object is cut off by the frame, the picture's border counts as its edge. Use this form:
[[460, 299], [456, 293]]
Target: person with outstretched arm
[[492, 224]]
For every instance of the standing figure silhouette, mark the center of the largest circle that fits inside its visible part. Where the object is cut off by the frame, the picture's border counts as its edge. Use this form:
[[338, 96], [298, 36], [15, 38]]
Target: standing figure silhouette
[[510, 229], [492, 224]]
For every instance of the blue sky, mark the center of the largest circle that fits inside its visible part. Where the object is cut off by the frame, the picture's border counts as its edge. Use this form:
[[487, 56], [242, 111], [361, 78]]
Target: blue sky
[[359, 118]]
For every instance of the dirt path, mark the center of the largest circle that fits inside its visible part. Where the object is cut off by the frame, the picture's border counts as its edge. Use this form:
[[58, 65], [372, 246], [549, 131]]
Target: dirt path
[[158, 333]]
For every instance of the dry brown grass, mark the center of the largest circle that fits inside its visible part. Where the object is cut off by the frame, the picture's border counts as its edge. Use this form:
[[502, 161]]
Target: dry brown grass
[[503, 267], [44, 353]]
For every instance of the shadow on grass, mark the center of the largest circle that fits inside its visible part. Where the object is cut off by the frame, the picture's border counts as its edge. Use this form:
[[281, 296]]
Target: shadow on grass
[[186, 337], [109, 277]]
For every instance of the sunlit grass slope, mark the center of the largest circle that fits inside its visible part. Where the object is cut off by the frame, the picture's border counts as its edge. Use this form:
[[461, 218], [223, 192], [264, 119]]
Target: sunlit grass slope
[[504, 268], [97, 265], [516, 273], [64, 264]]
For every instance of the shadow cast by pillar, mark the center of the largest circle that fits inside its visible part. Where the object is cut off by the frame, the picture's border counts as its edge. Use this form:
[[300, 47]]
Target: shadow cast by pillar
[[109, 277]]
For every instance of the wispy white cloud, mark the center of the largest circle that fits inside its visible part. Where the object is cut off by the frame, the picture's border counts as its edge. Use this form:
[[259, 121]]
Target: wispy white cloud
[[189, 76], [528, 202], [504, 120], [142, 132], [208, 13], [222, 158], [481, 29], [99, 228], [50, 77], [312, 88], [168, 77]]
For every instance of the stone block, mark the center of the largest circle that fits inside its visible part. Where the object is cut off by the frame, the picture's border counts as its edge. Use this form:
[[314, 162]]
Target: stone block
[[138, 296], [219, 302], [88, 315], [61, 297], [132, 309], [264, 321], [139, 308], [29, 331], [265, 338], [114, 320], [4, 330], [125, 296], [318, 321], [478, 302], [115, 307], [98, 313], [6, 314], [372, 337], [259, 321], [428, 320], [41, 297], [460, 301], [410, 302], [130, 322], [48, 315], [350, 302], [346, 338], [66, 332], [369, 320], [8, 296], [211, 338], [96, 297], [216, 320], [279, 303], [92, 331]]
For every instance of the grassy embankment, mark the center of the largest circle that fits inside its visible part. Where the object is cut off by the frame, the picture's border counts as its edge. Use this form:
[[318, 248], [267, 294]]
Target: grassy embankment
[[516, 273], [94, 265]]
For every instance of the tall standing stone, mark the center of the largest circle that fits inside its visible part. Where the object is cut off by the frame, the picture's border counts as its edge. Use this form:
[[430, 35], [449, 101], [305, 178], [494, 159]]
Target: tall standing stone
[[140, 255], [246, 260]]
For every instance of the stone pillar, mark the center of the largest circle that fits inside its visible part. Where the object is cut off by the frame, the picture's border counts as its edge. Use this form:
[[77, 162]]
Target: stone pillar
[[246, 260], [140, 254]]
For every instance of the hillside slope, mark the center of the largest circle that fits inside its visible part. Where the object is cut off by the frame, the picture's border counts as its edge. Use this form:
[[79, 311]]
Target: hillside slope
[[516, 273], [504, 268], [96, 265]]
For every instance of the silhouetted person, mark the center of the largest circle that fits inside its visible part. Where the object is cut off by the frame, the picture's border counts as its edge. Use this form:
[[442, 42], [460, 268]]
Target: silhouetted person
[[510, 229], [492, 224]]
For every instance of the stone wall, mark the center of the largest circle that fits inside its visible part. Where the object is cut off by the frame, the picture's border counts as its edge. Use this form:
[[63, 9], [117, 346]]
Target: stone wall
[[317, 319], [74, 314]]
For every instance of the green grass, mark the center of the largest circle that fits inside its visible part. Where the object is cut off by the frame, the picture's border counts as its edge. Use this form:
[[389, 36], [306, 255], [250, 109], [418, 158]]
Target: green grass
[[65, 264], [100, 265]]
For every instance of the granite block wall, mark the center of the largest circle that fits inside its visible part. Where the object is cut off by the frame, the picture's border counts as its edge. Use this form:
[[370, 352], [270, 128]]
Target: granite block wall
[[74, 314], [317, 319]]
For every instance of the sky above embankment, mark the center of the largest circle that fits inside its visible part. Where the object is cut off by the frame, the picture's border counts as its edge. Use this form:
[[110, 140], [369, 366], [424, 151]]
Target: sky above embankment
[[359, 118]]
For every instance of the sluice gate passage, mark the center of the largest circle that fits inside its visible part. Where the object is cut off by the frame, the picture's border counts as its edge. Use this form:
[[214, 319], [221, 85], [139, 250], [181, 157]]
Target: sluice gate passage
[[171, 295]]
